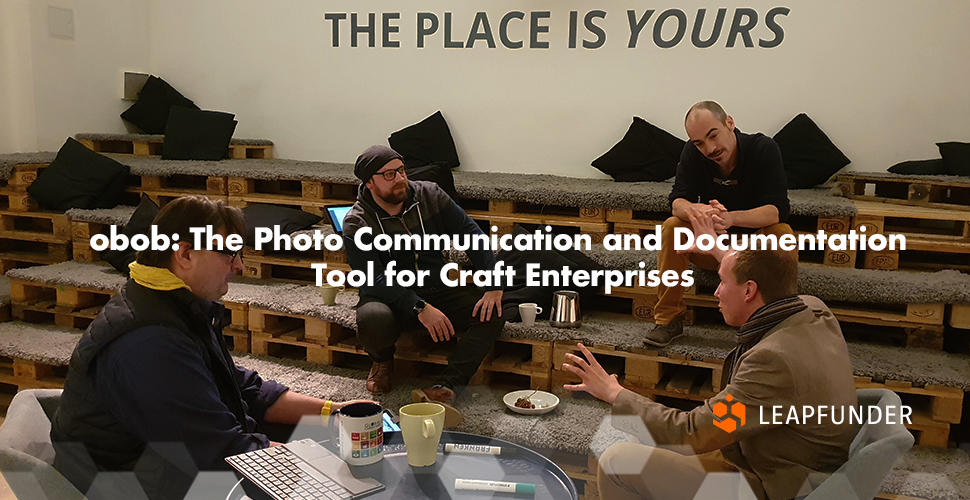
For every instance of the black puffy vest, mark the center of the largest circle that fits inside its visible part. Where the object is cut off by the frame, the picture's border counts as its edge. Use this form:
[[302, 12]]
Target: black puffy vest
[[82, 428]]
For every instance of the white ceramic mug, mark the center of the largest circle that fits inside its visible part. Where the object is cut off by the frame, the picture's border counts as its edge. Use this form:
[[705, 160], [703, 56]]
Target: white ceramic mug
[[421, 426], [329, 293], [528, 313], [358, 432]]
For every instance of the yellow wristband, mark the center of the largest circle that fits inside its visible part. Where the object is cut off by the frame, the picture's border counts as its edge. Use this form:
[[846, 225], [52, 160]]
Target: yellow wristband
[[325, 411]]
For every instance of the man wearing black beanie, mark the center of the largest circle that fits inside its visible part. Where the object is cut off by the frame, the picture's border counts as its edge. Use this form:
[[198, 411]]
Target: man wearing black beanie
[[388, 203]]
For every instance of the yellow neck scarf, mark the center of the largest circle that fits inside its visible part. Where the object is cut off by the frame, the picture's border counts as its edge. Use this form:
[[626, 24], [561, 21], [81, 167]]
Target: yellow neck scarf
[[156, 278]]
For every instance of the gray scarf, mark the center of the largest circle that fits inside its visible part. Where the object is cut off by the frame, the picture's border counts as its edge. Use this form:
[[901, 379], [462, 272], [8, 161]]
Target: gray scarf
[[752, 331]]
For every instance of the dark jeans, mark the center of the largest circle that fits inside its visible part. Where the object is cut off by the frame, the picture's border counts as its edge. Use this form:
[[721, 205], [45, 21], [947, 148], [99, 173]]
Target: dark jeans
[[379, 327]]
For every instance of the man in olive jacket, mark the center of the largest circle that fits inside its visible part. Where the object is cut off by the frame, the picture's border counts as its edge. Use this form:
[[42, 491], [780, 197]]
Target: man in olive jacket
[[790, 355]]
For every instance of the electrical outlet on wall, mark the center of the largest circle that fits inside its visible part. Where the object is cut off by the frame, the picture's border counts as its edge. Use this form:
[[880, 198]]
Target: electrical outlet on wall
[[61, 22]]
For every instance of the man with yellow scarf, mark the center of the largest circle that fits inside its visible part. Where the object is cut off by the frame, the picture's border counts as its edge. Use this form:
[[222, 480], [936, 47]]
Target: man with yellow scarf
[[151, 388]]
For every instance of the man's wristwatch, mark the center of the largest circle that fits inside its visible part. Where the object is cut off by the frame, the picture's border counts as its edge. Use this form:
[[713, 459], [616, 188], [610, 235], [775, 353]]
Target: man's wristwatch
[[419, 306]]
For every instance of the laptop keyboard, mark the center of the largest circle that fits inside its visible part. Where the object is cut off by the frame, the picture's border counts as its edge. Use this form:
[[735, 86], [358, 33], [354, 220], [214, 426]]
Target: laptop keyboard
[[281, 473]]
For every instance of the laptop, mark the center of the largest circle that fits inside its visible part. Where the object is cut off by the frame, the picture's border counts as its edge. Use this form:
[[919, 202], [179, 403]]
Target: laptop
[[336, 213], [302, 469]]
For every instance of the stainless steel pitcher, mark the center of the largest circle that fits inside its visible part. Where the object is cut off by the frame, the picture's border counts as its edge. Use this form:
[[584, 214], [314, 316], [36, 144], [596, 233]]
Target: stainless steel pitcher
[[565, 310]]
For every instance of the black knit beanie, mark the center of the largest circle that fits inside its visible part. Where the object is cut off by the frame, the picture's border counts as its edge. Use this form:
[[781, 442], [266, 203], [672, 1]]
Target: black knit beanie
[[372, 160]]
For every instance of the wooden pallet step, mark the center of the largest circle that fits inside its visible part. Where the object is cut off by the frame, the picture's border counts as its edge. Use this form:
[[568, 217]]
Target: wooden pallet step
[[950, 195], [937, 403], [918, 223], [17, 201], [266, 191], [182, 183], [643, 368], [929, 432], [154, 147], [683, 383], [236, 326], [81, 233], [267, 266], [532, 211], [161, 198], [24, 175], [309, 205], [505, 224], [243, 151], [50, 227], [521, 356], [29, 374], [330, 257], [134, 147], [960, 316], [901, 315], [636, 218]]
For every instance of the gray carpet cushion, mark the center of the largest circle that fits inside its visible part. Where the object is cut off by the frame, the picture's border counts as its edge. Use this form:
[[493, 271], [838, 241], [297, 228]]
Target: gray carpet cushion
[[161, 138], [117, 216], [10, 160]]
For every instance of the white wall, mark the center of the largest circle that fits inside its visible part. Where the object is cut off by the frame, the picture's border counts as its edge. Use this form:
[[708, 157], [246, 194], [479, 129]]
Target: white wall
[[58, 87], [18, 130], [885, 80]]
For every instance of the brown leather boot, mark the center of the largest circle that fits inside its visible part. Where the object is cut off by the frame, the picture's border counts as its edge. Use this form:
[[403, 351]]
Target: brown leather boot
[[379, 379], [443, 396]]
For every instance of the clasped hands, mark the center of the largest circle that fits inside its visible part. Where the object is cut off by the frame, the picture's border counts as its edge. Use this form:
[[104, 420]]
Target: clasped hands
[[721, 219]]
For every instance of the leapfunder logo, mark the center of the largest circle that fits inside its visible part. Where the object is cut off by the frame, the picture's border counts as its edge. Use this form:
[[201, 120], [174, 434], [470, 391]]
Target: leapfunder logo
[[729, 419], [735, 418]]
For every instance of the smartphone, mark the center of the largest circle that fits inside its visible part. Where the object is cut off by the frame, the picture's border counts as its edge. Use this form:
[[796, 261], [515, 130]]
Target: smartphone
[[390, 421]]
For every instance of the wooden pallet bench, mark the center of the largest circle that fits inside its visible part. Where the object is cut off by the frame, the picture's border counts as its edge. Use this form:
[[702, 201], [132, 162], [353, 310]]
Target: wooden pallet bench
[[935, 408], [28, 374], [181, 185], [567, 220], [281, 334], [921, 324], [309, 195], [236, 326], [16, 200], [289, 268], [628, 221], [62, 305], [646, 372], [951, 195], [81, 233], [16, 253], [49, 227], [155, 146]]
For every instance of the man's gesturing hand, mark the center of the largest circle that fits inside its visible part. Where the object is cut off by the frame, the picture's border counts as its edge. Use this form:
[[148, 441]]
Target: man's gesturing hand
[[595, 379], [438, 325]]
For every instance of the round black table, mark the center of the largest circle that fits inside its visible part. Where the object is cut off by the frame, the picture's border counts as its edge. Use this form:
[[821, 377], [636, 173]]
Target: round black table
[[438, 481]]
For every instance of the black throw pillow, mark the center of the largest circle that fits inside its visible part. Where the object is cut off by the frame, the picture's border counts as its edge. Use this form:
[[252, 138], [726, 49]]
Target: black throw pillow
[[150, 111], [956, 155], [920, 167], [193, 134], [139, 223], [809, 156], [646, 153], [519, 293], [290, 220], [79, 178], [426, 142], [437, 172]]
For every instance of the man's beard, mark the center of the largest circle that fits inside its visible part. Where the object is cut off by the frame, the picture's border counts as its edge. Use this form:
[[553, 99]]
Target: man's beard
[[392, 197]]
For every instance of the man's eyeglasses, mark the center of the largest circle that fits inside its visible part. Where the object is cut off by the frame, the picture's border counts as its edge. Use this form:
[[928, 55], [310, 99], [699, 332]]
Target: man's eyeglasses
[[390, 175], [231, 253]]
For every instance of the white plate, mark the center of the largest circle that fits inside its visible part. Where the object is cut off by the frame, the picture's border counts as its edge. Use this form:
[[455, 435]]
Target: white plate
[[545, 402]]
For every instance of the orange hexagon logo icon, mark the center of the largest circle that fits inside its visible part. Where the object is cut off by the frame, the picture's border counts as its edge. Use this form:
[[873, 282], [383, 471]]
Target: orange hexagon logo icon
[[728, 422]]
